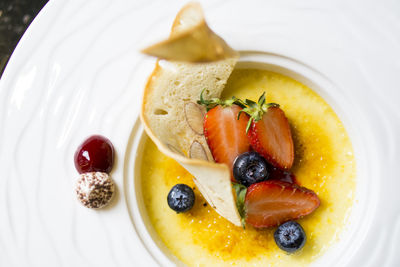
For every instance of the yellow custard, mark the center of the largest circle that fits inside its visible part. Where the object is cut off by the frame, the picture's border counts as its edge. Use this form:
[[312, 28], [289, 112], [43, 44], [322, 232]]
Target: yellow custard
[[324, 163]]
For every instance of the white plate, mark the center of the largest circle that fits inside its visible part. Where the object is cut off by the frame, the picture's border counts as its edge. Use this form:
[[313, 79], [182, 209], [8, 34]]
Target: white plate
[[77, 71]]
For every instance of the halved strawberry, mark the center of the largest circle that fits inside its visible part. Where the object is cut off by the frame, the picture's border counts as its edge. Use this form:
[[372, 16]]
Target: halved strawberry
[[224, 132], [269, 133], [271, 203]]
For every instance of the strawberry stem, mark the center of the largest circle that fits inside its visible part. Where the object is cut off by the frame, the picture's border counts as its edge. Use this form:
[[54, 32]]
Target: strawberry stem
[[249, 124], [213, 102], [256, 110]]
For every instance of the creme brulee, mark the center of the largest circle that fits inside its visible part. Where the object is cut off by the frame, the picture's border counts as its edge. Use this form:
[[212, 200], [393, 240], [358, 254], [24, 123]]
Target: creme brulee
[[324, 163]]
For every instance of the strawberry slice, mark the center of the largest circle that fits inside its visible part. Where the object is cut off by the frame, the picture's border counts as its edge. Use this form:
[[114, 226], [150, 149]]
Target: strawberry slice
[[269, 133], [225, 134], [224, 131], [271, 203], [271, 137]]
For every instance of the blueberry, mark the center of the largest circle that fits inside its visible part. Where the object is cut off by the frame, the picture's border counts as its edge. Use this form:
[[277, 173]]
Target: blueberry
[[290, 236], [250, 168], [181, 198]]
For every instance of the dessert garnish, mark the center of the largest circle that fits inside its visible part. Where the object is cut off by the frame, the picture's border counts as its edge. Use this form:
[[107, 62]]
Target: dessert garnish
[[181, 198], [263, 203], [94, 189], [225, 144], [191, 40], [173, 120], [250, 168], [94, 160], [224, 132], [95, 154], [172, 117], [290, 236], [271, 203], [269, 132]]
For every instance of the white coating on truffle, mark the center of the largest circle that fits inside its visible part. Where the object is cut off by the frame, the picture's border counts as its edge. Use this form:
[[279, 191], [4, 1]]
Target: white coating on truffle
[[94, 189]]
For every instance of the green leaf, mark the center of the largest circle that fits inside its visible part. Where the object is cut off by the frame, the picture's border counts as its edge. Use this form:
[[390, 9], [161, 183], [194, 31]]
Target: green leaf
[[261, 100], [241, 191], [274, 105], [265, 107], [239, 113], [255, 110], [209, 104], [249, 124], [201, 97], [239, 102], [251, 103], [213, 102]]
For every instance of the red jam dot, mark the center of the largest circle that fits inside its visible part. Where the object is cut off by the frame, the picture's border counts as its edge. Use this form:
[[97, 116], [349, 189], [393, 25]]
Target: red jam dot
[[95, 154]]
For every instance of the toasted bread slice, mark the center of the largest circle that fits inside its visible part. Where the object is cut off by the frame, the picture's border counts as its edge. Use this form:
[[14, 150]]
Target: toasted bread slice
[[191, 40], [173, 119]]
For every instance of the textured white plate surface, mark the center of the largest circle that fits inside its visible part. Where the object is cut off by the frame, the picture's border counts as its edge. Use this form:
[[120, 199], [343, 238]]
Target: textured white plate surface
[[77, 72]]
